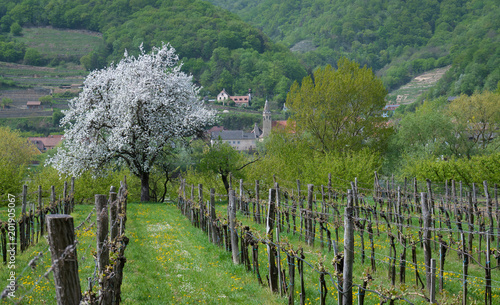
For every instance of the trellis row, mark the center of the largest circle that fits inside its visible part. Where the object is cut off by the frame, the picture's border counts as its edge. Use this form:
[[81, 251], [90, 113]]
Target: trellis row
[[110, 247], [391, 205], [31, 224], [223, 235]]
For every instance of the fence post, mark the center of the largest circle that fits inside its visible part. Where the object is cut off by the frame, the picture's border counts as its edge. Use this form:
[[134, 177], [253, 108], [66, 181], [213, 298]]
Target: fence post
[[113, 213], [426, 239], [240, 198], [309, 215], [41, 222], [201, 221], [278, 227], [348, 250], [25, 196], [487, 291], [213, 216], [102, 246], [52, 194], [497, 212], [291, 272], [273, 271], [432, 288], [61, 237], [257, 202], [102, 232], [465, 269], [65, 189], [232, 227]]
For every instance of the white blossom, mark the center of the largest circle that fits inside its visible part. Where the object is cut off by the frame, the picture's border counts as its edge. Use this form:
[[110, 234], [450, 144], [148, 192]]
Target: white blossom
[[130, 112]]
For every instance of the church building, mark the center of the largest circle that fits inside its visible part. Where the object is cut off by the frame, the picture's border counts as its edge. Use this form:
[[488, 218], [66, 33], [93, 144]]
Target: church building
[[245, 141]]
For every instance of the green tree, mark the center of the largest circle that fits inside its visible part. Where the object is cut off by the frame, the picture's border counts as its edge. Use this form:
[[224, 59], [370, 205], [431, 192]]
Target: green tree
[[46, 100], [16, 29], [425, 131], [289, 156], [222, 160], [477, 119], [341, 109], [57, 115], [16, 154], [32, 57], [6, 102]]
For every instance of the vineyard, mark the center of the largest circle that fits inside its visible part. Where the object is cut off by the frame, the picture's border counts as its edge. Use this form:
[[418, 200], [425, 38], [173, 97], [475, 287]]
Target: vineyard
[[397, 243], [413, 243]]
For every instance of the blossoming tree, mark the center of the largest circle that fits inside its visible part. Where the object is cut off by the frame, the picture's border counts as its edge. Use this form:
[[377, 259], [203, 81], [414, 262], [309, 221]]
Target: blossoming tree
[[129, 113]]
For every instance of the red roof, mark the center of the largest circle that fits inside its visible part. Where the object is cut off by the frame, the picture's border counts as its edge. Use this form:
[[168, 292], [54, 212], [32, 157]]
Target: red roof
[[48, 142], [240, 99], [283, 125], [216, 128]]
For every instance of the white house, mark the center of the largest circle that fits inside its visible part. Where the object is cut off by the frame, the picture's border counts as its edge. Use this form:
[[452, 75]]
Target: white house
[[241, 100]]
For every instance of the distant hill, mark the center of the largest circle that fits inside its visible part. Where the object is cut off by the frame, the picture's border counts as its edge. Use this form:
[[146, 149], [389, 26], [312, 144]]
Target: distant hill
[[216, 46], [397, 38]]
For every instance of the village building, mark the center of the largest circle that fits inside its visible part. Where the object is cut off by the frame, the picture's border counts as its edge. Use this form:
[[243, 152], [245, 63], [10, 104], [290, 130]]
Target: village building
[[46, 143], [246, 141], [389, 110], [34, 105], [242, 100]]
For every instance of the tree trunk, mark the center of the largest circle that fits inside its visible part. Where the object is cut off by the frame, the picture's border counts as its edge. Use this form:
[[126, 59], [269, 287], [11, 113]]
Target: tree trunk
[[224, 177], [144, 187]]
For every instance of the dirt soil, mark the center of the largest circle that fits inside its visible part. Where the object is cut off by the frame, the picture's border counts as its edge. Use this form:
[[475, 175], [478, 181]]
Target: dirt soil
[[408, 93]]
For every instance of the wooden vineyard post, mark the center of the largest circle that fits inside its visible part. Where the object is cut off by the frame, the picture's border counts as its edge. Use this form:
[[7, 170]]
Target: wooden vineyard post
[[329, 188], [66, 207], [309, 216], [301, 208], [102, 249], [212, 217], [257, 203], [465, 270], [232, 227], [40, 214], [497, 210], [427, 239], [402, 262], [432, 289], [348, 250], [488, 298], [442, 259], [113, 213], [392, 260], [323, 212], [61, 237], [241, 204], [201, 217], [273, 271], [52, 195], [291, 271], [278, 227], [24, 223], [300, 268], [102, 232]]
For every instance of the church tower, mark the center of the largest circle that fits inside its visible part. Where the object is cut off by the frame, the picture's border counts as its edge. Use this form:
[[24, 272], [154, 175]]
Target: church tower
[[266, 128]]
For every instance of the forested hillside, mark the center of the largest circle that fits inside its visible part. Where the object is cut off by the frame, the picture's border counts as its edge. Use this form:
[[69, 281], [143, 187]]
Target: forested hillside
[[216, 46], [396, 38]]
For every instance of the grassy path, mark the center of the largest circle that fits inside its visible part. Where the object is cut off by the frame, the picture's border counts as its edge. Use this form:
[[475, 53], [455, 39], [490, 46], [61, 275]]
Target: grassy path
[[168, 262], [171, 262]]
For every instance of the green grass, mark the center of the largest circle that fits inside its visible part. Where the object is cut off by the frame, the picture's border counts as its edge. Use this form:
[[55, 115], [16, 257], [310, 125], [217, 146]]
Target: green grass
[[54, 42], [381, 282], [168, 262], [39, 73], [171, 262]]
